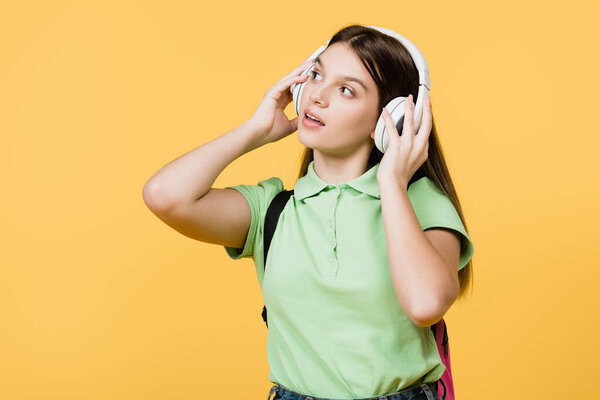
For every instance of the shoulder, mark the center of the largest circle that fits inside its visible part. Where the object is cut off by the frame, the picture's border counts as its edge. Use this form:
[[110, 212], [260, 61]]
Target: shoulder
[[259, 197], [425, 194], [424, 185], [261, 194], [430, 203], [435, 210]]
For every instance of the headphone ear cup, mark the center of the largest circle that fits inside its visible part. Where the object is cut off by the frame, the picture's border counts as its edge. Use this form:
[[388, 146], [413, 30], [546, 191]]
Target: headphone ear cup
[[396, 109], [297, 89]]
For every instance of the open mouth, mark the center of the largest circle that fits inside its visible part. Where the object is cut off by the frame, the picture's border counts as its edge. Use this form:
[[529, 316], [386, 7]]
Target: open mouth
[[310, 121]]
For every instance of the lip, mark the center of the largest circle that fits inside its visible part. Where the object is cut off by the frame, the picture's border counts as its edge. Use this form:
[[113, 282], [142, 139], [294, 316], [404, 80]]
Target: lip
[[314, 114], [309, 123]]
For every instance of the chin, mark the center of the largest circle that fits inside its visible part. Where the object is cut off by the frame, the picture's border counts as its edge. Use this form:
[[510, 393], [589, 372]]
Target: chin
[[311, 141], [306, 138]]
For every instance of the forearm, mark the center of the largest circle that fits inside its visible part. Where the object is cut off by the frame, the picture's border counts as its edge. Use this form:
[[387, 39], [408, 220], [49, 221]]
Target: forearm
[[417, 269], [190, 176]]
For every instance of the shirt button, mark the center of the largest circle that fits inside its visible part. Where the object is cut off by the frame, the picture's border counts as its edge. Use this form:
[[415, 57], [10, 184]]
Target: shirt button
[[331, 223]]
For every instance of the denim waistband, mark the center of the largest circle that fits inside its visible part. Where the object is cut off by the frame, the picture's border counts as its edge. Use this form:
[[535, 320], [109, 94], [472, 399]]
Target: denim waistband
[[428, 389]]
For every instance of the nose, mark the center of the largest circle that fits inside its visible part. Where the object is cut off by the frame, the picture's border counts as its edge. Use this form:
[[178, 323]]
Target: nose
[[317, 94]]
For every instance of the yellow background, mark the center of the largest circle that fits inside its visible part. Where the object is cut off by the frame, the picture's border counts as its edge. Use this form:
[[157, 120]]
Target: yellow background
[[99, 299]]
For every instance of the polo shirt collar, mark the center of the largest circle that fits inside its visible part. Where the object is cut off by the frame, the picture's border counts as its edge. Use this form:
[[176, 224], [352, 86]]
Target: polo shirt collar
[[311, 183]]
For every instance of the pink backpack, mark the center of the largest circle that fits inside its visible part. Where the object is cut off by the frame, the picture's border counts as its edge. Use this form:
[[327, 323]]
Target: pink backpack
[[439, 330]]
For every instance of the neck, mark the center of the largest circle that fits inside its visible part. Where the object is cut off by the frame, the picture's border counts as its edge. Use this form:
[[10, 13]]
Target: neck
[[335, 170]]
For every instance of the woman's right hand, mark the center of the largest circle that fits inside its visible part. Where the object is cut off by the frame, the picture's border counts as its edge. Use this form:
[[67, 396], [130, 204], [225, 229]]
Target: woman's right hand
[[270, 121]]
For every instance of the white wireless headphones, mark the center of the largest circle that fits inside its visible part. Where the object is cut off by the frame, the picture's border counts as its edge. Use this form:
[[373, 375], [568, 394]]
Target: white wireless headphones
[[396, 105]]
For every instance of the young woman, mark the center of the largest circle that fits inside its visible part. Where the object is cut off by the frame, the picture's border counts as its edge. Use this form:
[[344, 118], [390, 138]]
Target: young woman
[[369, 251]]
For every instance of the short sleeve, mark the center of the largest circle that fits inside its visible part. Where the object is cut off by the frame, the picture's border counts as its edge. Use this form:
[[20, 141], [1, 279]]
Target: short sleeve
[[258, 197], [434, 209]]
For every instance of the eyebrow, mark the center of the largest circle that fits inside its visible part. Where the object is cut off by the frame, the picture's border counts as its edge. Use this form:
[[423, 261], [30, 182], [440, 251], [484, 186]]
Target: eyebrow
[[348, 78]]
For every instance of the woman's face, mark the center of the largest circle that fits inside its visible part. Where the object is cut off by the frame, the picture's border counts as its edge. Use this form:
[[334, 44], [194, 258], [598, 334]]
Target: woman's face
[[347, 109]]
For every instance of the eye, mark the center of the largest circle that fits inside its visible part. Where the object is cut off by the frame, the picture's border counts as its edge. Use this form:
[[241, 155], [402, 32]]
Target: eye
[[312, 75], [351, 93]]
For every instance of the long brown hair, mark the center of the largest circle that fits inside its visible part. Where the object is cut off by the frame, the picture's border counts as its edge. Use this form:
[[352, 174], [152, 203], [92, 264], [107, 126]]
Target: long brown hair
[[392, 68]]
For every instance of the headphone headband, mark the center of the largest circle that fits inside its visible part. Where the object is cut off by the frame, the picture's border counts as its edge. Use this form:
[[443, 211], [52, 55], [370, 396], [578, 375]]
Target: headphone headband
[[416, 54]]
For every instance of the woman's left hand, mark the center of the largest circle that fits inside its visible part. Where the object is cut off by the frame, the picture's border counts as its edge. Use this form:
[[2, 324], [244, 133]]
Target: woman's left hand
[[405, 154]]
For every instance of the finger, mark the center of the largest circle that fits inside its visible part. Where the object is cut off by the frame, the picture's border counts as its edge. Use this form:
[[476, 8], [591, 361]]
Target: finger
[[408, 130], [300, 68], [426, 123], [390, 128], [295, 72], [286, 83]]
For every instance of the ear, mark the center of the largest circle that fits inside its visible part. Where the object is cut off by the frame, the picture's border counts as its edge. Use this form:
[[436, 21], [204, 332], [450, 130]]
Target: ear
[[373, 134]]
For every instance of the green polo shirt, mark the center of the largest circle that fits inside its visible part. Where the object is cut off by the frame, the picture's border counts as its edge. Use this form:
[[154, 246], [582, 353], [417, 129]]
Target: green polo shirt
[[336, 329]]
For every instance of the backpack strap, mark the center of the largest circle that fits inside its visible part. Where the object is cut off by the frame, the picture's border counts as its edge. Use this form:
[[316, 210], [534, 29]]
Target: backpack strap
[[273, 212], [275, 208]]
